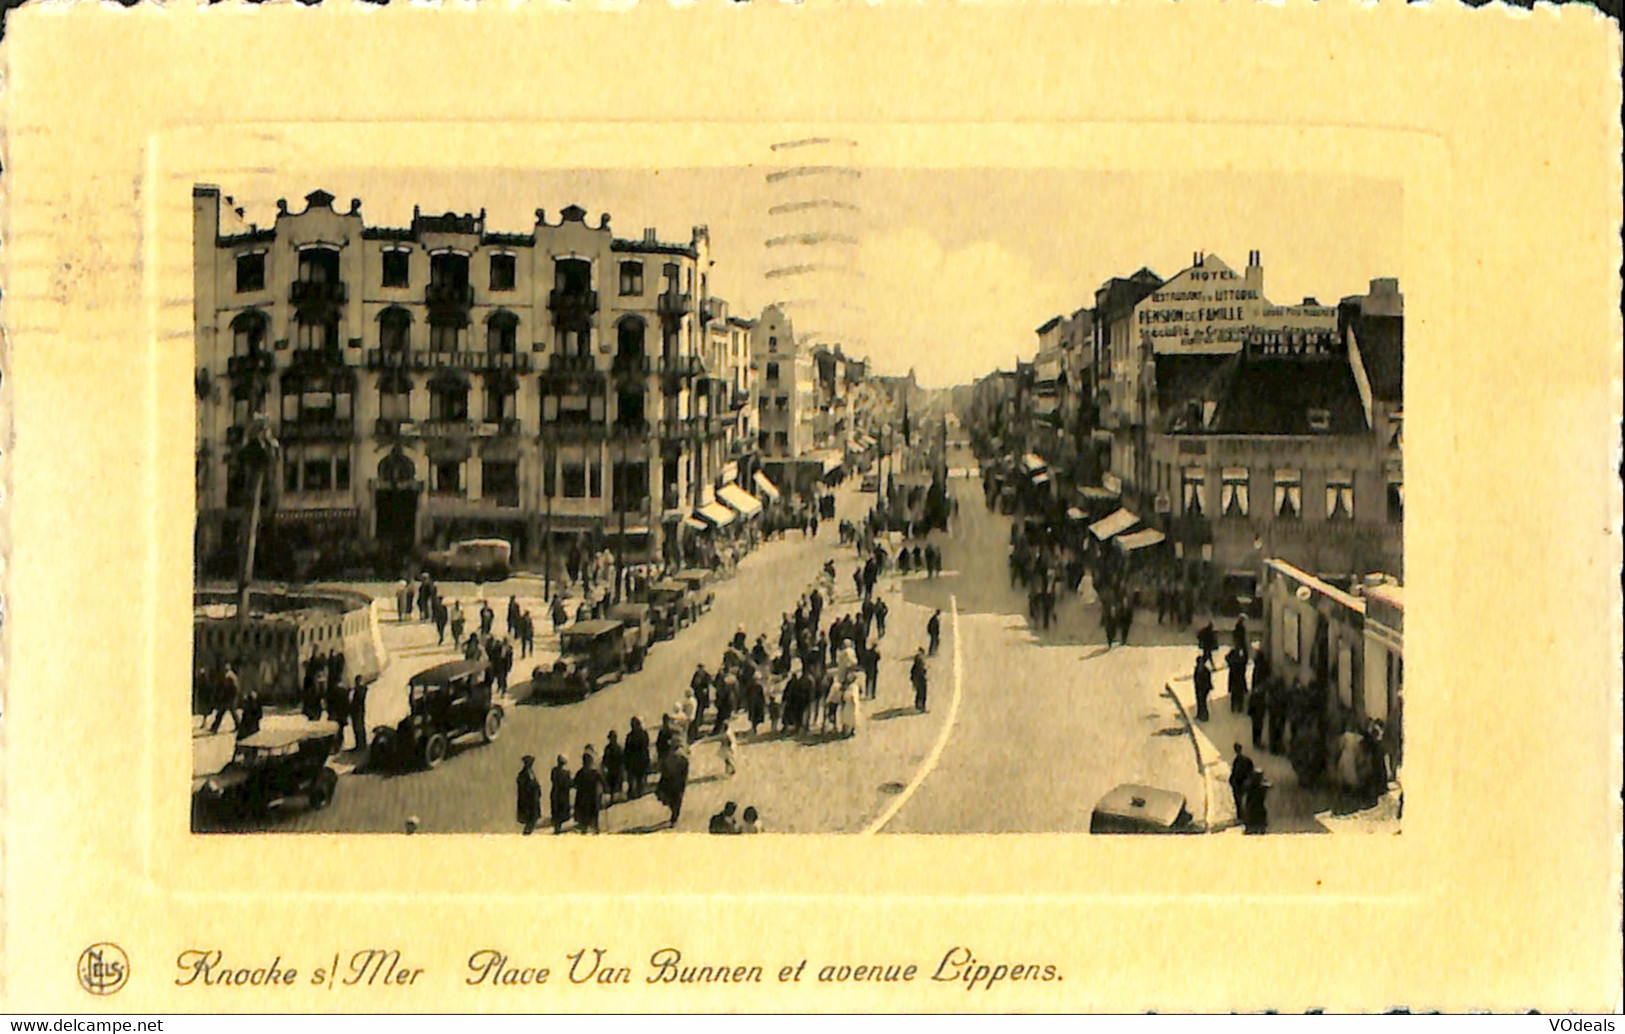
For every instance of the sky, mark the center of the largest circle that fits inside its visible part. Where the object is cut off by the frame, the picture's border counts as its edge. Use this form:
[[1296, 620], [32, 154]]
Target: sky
[[948, 272]]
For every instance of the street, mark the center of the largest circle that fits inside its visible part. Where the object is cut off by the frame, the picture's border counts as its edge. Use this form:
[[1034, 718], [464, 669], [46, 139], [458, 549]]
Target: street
[[1035, 729]]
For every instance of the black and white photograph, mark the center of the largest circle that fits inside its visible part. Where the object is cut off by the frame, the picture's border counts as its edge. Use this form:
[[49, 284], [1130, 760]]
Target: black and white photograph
[[804, 497]]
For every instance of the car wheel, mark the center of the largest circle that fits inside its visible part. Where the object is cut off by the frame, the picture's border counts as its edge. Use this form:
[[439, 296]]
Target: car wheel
[[435, 749], [493, 725], [321, 795]]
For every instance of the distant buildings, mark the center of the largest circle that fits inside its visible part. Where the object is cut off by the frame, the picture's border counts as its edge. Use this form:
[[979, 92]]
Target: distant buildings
[[1239, 428]]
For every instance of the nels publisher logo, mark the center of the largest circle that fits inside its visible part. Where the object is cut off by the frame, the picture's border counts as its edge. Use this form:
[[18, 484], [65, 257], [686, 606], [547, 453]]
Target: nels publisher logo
[[103, 968]]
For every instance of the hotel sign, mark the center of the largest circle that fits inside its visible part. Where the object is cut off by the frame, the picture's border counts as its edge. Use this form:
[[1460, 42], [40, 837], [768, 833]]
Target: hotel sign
[[1215, 310]]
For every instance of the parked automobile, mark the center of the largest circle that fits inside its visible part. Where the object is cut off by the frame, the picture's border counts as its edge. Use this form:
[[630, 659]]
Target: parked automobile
[[697, 580], [474, 560], [270, 768], [591, 655], [446, 702], [871, 483], [1134, 808], [676, 601], [639, 624]]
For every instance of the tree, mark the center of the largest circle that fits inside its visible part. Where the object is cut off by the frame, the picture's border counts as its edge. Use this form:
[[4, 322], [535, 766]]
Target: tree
[[257, 455]]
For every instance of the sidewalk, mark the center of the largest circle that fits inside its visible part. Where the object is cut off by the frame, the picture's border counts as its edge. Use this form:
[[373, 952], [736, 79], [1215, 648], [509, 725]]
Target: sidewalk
[[1292, 808]]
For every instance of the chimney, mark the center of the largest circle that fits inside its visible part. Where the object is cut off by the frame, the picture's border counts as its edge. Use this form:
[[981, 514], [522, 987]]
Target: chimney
[[1253, 278], [649, 236]]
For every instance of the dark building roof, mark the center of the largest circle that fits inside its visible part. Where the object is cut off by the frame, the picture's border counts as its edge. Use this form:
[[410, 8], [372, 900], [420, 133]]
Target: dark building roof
[[1259, 395], [653, 247], [522, 240], [1121, 293], [1382, 346], [386, 233], [254, 235]]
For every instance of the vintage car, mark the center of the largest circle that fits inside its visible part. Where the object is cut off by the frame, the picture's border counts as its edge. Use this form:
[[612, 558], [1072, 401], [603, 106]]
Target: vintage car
[[871, 483], [591, 655], [1134, 808], [445, 702], [639, 622], [269, 768], [475, 560], [675, 603], [697, 580]]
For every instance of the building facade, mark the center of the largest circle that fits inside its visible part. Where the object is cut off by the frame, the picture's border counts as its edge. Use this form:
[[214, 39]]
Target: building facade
[[785, 385], [443, 380]]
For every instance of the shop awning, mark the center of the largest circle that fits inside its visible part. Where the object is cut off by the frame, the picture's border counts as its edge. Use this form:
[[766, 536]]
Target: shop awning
[[766, 487], [1140, 539], [717, 515], [1032, 462], [832, 462], [1041, 478], [695, 524], [1118, 521], [1076, 514], [1092, 493], [741, 500]]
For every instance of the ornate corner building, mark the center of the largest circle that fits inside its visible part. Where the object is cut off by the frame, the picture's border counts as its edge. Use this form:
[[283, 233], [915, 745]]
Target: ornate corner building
[[444, 381]]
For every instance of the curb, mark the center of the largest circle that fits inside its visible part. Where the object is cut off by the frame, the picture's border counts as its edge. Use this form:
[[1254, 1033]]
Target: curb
[[1196, 748]]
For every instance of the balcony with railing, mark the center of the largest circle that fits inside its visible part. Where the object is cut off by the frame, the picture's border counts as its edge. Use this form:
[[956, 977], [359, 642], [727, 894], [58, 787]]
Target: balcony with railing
[[679, 365], [629, 430], [442, 428], [503, 428], [674, 304], [627, 368], [245, 365], [449, 296], [309, 428], [420, 359], [318, 293], [316, 358], [559, 363], [572, 306], [567, 431]]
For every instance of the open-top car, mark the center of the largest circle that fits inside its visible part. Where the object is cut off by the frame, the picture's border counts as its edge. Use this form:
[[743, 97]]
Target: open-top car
[[591, 655], [674, 603], [1134, 808], [447, 702], [271, 767], [639, 631], [697, 579], [475, 559]]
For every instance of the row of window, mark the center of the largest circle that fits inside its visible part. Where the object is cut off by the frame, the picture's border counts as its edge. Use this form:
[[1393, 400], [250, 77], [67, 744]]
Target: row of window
[[1287, 499], [321, 265]]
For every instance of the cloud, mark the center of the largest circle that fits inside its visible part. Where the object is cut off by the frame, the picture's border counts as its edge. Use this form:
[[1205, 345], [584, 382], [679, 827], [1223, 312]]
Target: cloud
[[950, 313]]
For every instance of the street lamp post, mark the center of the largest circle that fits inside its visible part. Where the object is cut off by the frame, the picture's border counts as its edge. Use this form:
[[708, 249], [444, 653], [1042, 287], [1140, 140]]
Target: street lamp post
[[259, 451]]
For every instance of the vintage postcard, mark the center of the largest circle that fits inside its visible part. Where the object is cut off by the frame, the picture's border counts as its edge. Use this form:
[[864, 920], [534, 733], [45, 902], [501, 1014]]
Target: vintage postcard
[[779, 508]]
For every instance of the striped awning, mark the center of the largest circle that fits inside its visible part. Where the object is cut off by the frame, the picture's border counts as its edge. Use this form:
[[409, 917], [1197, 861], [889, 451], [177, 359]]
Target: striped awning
[[695, 524], [766, 487], [717, 515], [1140, 539], [1119, 521], [740, 500]]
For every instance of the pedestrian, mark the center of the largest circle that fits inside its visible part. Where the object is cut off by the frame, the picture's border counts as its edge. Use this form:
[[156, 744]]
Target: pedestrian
[[881, 610], [1125, 619], [753, 821], [666, 738], [559, 796], [527, 634], [440, 619], [315, 691], [513, 616], [848, 725], [1278, 702], [673, 782], [727, 699], [1203, 679], [248, 719], [358, 712], [471, 648], [614, 767], [725, 750], [871, 671], [857, 581], [425, 597], [723, 822], [635, 758], [1257, 710], [458, 621], [933, 632], [338, 709], [700, 684], [917, 675], [488, 618], [229, 689], [738, 641], [559, 614], [1238, 635], [1255, 810], [756, 700], [528, 795], [1241, 773], [1236, 674], [589, 794], [1208, 639]]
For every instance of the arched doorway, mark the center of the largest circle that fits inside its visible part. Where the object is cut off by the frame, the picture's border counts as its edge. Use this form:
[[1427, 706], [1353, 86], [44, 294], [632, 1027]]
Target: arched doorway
[[395, 502]]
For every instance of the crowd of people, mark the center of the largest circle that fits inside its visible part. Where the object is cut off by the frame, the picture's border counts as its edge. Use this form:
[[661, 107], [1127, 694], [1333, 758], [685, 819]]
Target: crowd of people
[[808, 681]]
